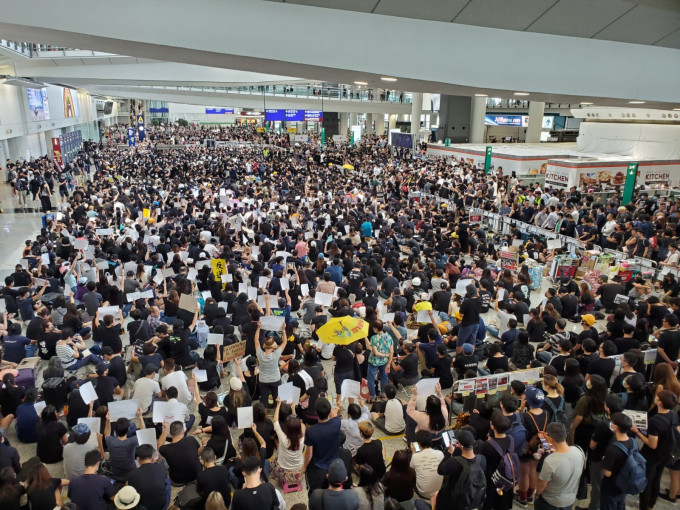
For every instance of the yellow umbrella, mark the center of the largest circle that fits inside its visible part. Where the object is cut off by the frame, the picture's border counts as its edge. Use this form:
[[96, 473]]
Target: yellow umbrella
[[348, 166], [343, 330]]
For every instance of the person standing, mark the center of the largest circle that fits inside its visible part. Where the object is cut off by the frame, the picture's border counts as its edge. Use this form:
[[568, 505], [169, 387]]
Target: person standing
[[269, 354], [379, 359], [611, 496], [469, 311], [322, 442], [559, 476]]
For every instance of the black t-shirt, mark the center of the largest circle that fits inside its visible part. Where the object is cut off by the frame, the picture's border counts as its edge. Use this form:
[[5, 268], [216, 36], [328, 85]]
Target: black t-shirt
[[149, 481], [602, 435], [441, 300], [50, 449], [491, 455], [470, 310], [262, 497], [602, 366], [216, 479], [344, 360], [614, 459], [10, 398], [669, 341], [117, 370], [569, 306], [91, 491], [371, 454], [182, 458], [44, 498], [463, 363], [493, 364], [660, 425], [558, 363], [110, 337], [442, 369], [452, 468], [47, 345], [541, 420], [626, 344], [409, 366], [105, 386]]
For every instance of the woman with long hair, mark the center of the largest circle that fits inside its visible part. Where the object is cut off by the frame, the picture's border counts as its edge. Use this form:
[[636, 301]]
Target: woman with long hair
[[536, 326], [52, 436], [171, 307], [215, 501], [370, 492], [554, 391], [10, 490], [400, 480], [287, 468], [237, 397], [587, 299], [635, 398], [210, 408], [589, 409], [435, 416], [664, 379], [43, 490], [220, 438]]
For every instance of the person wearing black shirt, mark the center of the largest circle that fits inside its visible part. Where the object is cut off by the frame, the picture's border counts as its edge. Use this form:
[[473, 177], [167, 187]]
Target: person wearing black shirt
[[255, 494], [441, 367], [117, 368], [105, 385], [603, 365], [657, 444], [490, 451], [181, 454], [465, 361], [668, 347], [441, 299], [108, 333], [149, 479], [406, 371], [607, 292], [213, 477], [452, 467], [611, 497], [569, 303], [469, 311]]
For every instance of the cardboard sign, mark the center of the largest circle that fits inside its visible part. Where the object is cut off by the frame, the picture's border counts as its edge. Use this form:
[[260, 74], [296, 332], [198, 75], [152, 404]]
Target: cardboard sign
[[188, 303], [233, 351]]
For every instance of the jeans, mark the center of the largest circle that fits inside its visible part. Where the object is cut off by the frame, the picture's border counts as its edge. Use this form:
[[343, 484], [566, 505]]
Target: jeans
[[595, 485], [315, 477], [544, 356], [266, 389], [612, 501], [467, 334], [493, 331], [370, 377], [31, 350], [92, 358], [542, 504]]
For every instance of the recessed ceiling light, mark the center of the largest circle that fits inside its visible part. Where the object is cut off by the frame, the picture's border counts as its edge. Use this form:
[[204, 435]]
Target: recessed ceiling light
[[521, 93], [676, 109], [636, 102], [360, 83], [387, 78], [481, 95], [585, 104]]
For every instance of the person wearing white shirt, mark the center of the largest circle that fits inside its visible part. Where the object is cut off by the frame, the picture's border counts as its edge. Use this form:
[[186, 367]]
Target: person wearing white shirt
[[425, 463], [178, 380], [146, 388], [609, 226], [673, 257]]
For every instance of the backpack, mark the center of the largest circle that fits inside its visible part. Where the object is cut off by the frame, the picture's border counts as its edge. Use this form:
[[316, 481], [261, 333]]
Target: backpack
[[632, 479], [558, 413], [506, 475], [189, 498], [518, 433], [470, 487], [535, 441]]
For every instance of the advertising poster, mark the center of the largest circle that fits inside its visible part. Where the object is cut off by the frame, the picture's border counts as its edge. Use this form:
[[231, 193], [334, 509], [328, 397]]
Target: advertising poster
[[70, 103], [509, 260], [37, 103], [475, 216]]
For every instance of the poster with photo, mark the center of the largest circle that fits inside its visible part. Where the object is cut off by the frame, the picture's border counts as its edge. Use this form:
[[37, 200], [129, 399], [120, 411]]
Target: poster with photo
[[481, 386], [493, 385], [38, 104], [502, 382]]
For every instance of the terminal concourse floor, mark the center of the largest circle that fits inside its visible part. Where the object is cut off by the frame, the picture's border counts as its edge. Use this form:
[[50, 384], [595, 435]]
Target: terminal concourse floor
[[19, 225]]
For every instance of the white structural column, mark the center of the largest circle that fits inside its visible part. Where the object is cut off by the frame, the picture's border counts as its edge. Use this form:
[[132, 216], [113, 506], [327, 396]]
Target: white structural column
[[353, 119], [416, 112], [536, 109], [369, 123], [477, 114], [344, 123], [393, 121], [379, 124]]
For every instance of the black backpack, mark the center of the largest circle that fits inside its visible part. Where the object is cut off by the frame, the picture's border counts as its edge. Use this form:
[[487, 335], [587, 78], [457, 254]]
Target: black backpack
[[558, 413], [470, 489], [189, 498]]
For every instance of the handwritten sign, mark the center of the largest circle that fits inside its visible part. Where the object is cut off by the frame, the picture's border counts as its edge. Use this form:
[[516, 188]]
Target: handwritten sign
[[233, 351]]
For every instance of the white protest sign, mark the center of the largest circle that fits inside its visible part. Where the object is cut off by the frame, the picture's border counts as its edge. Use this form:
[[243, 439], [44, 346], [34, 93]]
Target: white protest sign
[[272, 322], [244, 417], [94, 424], [289, 393], [304, 289], [215, 338], [426, 386], [200, 375], [88, 393], [350, 389], [321, 298], [123, 409], [168, 411]]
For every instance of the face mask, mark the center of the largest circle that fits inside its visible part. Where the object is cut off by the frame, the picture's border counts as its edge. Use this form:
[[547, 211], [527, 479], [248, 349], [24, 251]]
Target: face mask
[[588, 385]]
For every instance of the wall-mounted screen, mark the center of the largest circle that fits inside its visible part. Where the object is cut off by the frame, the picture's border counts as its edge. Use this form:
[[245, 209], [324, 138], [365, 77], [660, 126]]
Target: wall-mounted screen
[[70, 103], [37, 103]]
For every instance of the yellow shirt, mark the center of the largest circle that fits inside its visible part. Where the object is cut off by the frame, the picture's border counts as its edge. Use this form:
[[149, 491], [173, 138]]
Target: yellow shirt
[[422, 305]]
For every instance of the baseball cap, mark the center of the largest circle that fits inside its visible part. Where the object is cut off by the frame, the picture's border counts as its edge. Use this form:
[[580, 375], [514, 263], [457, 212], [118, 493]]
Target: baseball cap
[[130, 273], [337, 472], [107, 351], [416, 282], [83, 279], [468, 348], [588, 318], [534, 397], [150, 369], [465, 438], [101, 368], [81, 429], [388, 270]]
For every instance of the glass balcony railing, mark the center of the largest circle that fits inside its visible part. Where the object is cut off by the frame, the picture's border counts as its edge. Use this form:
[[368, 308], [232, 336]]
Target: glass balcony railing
[[336, 92], [32, 50]]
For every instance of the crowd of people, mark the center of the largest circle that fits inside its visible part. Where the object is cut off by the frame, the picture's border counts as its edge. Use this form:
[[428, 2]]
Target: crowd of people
[[154, 252]]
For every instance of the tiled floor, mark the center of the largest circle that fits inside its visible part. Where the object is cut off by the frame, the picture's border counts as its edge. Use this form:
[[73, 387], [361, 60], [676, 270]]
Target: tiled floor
[[18, 226]]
